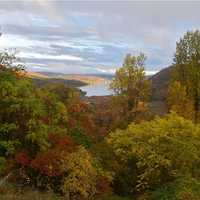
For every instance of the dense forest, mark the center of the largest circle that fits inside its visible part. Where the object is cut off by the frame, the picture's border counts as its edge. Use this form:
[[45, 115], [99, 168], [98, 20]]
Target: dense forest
[[54, 144]]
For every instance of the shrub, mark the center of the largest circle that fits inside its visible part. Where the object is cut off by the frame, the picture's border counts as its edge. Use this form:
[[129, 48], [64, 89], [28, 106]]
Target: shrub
[[163, 149]]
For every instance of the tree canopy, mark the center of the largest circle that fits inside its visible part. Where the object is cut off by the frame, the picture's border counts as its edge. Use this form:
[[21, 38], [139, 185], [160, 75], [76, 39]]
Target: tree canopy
[[163, 149], [187, 71], [131, 87]]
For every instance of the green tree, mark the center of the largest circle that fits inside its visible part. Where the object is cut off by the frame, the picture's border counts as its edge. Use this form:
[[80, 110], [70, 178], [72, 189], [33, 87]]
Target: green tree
[[183, 188], [27, 115], [65, 94], [131, 88], [187, 69], [21, 114], [163, 149]]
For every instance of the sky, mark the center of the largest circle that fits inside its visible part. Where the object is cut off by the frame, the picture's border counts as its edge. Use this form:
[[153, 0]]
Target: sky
[[94, 36]]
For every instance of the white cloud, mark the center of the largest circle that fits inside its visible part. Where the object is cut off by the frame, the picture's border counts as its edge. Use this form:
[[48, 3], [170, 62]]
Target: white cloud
[[36, 64], [106, 70], [17, 41], [149, 73], [98, 31], [47, 56]]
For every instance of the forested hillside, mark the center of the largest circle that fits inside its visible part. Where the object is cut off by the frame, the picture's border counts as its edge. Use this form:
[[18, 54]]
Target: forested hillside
[[160, 82], [54, 144]]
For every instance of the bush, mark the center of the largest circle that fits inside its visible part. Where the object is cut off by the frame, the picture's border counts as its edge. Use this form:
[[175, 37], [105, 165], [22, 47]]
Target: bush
[[163, 149], [183, 188]]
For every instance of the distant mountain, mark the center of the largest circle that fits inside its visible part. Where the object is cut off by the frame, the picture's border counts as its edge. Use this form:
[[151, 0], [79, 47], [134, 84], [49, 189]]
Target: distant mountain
[[106, 76], [45, 81], [41, 79], [53, 74], [160, 82], [86, 78], [35, 75], [73, 80]]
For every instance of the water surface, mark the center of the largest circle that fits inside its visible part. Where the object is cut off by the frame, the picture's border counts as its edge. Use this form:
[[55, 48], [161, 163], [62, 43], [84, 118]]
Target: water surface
[[101, 89]]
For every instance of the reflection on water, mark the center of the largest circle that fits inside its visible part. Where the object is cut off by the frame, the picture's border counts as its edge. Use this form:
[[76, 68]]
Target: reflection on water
[[100, 89]]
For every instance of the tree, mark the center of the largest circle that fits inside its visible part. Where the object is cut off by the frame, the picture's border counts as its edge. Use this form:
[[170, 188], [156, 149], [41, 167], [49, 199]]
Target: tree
[[81, 181], [164, 150], [131, 88], [27, 114], [179, 101], [187, 68], [20, 108], [65, 94], [9, 62]]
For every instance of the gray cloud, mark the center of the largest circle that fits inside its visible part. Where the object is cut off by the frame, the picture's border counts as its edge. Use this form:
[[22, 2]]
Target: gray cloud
[[98, 32]]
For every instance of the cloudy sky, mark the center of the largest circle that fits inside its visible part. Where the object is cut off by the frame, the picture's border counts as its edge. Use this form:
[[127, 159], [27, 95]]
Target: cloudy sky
[[94, 36]]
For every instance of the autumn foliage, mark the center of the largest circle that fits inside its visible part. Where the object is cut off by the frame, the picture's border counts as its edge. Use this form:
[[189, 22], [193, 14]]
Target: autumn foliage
[[54, 140]]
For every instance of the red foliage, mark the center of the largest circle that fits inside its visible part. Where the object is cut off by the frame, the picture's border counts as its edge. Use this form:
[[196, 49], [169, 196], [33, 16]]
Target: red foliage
[[79, 107], [3, 189], [88, 124], [46, 120], [48, 163], [22, 158], [72, 122], [103, 185], [60, 142], [80, 114]]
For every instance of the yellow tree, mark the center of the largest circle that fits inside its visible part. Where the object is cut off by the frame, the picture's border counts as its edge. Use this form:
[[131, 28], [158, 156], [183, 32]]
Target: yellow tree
[[80, 183], [187, 69], [179, 101], [163, 150], [131, 88]]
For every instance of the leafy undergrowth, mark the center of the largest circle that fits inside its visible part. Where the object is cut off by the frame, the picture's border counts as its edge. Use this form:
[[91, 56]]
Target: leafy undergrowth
[[9, 192]]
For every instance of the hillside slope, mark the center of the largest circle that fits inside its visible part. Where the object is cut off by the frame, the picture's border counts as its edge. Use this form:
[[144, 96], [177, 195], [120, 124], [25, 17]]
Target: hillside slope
[[45, 81], [41, 79], [91, 79], [160, 83]]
